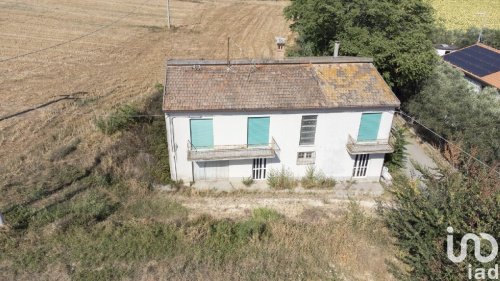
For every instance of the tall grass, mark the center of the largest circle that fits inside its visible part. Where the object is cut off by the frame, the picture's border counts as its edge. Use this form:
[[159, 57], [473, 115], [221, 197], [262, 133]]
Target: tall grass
[[281, 179], [316, 179]]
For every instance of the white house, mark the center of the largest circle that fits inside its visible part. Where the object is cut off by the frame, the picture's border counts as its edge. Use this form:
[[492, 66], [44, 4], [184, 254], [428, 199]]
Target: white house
[[238, 120]]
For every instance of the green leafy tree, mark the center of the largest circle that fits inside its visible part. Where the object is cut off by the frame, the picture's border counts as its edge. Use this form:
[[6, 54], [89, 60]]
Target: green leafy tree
[[449, 106], [422, 211], [394, 32], [464, 38]]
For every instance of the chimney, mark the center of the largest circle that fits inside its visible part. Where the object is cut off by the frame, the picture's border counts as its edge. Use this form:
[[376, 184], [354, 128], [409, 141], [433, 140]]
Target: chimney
[[336, 49], [280, 44]]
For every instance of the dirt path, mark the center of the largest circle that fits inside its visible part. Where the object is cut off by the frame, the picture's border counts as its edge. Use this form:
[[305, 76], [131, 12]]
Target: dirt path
[[316, 205]]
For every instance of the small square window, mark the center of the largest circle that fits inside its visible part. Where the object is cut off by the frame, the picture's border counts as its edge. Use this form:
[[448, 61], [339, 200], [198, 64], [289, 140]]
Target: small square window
[[306, 158]]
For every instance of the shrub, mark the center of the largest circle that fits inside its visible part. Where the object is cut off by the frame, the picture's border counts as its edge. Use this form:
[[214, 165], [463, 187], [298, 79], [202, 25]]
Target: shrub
[[265, 214], [120, 119], [247, 181], [281, 179], [419, 217], [316, 179], [396, 160]]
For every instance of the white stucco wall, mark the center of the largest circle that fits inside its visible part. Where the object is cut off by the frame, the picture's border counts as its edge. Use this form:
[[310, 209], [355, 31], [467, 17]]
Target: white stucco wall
[[332, 130]]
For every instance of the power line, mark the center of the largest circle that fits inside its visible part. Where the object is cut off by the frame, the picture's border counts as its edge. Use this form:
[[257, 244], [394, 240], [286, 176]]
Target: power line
[[76, 38], [451, 143]]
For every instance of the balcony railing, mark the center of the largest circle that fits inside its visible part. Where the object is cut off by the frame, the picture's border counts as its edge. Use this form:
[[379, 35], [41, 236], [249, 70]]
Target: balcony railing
[[368, 147], [233, 152]]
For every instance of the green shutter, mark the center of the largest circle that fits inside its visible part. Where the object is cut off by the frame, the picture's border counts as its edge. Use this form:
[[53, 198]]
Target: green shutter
[[368, 129], [202, 135], [258, 130]]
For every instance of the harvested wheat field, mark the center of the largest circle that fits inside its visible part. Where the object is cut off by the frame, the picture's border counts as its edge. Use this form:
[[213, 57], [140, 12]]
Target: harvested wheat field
[[118, 60]]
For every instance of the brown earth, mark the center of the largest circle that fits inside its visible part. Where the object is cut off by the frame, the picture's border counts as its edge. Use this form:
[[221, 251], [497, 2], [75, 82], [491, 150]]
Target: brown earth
[[117, 65]]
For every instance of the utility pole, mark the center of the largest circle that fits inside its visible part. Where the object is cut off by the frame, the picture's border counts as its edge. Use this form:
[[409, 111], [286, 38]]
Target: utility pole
[[482, 14], [168, 14]]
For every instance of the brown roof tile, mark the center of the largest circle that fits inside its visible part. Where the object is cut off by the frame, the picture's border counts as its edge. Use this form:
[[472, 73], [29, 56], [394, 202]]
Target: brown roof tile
[[310, 83]]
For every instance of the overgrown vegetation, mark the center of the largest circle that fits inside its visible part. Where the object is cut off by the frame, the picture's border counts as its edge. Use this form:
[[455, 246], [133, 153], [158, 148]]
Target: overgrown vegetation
[[464, 38], [316, 179], [107, 222], [281, 179], [421, 214], [449, 106], [396, 160], [247, 181], [394, 33], [120, 119]]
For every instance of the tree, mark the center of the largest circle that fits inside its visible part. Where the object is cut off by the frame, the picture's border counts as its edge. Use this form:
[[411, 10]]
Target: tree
[[418, 217], [464, 38], [394, 32], [449, 106]]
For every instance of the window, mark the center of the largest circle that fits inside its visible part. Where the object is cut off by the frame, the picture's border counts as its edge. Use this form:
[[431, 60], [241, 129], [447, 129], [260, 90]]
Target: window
[[305, 158], [360, 165], [308, 129], [368, 127], [258, 131], [259, 168], [202, 135]]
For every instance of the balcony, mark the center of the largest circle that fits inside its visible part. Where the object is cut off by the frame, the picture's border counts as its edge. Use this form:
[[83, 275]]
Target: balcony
[[369, 147], [233, 152]]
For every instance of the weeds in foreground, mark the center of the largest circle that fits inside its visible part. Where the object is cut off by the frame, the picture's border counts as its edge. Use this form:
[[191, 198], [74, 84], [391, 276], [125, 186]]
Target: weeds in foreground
[[281, 179], [247, 181], [316, 179]]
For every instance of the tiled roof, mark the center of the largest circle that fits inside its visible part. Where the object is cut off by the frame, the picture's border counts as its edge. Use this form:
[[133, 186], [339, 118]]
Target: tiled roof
[[478, 61], [299, 83]]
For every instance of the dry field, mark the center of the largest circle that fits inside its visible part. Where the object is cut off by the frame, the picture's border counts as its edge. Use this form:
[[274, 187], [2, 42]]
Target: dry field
[[117, 65], [464, 14]]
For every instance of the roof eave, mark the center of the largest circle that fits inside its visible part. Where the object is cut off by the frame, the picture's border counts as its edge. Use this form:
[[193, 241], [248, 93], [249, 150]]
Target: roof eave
[[394, 105]]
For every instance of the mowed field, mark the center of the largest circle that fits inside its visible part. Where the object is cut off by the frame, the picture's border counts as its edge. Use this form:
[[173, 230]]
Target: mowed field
[[116, 65], [464, 14]]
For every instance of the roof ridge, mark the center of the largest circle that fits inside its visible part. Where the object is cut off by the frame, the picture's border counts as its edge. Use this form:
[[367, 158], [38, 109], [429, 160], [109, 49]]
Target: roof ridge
[[291, 60], [487, 47]]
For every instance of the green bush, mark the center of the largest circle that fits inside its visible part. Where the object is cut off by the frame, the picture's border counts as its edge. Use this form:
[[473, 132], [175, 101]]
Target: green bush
[[421, 212], [396, 160], [314, 179], [247, 181], [118, 120], [281, 179]]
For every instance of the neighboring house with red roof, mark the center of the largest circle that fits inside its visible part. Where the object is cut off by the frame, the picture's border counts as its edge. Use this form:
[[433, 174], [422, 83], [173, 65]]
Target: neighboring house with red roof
[[242, 119], [479, 63]]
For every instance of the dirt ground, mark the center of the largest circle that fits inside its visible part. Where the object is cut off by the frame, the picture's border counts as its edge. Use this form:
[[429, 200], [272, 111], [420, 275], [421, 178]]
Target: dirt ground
[[310, 206], [117, 65]]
